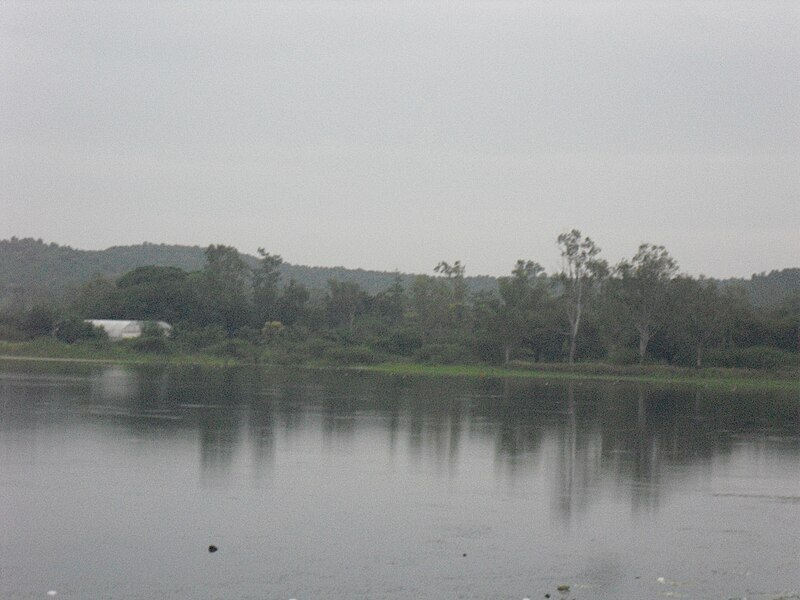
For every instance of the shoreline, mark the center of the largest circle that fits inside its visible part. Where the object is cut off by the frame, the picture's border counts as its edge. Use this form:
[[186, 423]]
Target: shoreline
[[709, 377]]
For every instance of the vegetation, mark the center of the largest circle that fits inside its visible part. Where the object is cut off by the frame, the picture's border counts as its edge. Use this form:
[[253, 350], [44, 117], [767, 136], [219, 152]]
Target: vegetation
[[239, 308]]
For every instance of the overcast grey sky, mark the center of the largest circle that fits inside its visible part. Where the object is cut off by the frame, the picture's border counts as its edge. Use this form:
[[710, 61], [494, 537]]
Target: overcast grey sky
[[392, 135]]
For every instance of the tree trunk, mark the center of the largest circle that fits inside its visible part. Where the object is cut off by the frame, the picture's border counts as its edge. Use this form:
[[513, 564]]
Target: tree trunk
[[573, 342], [644, 339]]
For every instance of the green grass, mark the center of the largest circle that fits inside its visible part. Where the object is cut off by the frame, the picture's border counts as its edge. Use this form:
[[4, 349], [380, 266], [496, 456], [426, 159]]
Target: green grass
[[46, 349], [731, 379]]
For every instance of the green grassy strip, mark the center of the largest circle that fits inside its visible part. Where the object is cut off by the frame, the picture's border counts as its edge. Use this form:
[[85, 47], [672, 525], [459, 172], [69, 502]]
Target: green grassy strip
[[713, 378], [730, 379]]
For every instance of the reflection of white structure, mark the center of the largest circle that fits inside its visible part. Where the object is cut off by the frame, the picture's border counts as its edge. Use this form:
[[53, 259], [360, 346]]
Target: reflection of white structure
[[123, 330], [114, 383]]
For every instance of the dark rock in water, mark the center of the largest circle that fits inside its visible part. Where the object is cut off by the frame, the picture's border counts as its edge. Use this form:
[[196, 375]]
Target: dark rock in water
[[212, 548]]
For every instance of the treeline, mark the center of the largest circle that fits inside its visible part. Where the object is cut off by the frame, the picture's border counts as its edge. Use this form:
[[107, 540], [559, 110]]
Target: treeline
[[33, 271], [641, 310]]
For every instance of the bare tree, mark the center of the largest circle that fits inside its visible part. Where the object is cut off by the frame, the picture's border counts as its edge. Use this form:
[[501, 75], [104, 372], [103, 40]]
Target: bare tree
[[580, 270]]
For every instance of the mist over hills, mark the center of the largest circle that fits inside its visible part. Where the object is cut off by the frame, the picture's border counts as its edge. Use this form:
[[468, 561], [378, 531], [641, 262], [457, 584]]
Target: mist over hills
[[35, 270]]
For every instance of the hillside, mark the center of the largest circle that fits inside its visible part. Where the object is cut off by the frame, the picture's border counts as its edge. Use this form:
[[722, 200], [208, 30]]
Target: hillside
[[33, 269]]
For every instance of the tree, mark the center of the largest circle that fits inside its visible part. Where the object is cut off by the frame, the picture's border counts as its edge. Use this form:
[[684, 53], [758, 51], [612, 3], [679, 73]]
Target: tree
[[152, 292], [389, 306], [580, 271], [521, 296], [220, 290], [292, 303], [265, 287], [344, 301], [226, 264], [98, 298], [641, 287], [696, 317], [458, 288], [430, 305]]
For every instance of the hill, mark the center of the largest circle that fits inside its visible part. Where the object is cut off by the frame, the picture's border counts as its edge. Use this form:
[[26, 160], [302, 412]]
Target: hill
[[35, 270], [768, 289]]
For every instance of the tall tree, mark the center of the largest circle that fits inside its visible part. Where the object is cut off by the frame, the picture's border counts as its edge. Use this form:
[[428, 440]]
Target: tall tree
[[292, 303], [458, 288], [430, 306], [154, 293], [389, 305], [266, 278], [580, 271], [221, 290], [696, 318], [521, 296], [641, 287], [344, 301]]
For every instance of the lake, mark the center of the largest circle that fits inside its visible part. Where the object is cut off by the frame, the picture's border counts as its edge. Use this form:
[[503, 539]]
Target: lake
[[115, 480]]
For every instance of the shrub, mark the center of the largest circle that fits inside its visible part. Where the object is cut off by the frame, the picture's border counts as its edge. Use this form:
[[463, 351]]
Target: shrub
[[238, 349], [196, 338], [623, 356], [757, 357], [11, 333], [401, 341], [350, 355], [444, 354], [151, 344], [73, 329]]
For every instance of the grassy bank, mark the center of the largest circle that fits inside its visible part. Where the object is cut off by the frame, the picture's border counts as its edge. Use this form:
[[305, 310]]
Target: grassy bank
[[52, 350], [45, 349], [716, 378]]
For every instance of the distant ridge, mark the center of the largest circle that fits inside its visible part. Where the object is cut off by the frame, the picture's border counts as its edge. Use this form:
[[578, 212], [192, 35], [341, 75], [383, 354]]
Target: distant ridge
[[33, 269]]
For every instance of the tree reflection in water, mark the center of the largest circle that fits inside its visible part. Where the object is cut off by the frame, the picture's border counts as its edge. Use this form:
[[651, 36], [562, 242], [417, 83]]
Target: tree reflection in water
[[589, 439]]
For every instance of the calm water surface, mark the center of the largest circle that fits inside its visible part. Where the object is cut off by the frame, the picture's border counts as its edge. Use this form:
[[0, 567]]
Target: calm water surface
[[114, 481]]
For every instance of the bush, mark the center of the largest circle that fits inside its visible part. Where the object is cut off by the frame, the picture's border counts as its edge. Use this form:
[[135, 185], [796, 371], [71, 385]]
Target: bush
[[401, 341], [72, 330], [623, 356], [238, 349], [350, 355], [196, 338], [151, 345], [757, 357], [315, 347], [11, 333], [444, 354]]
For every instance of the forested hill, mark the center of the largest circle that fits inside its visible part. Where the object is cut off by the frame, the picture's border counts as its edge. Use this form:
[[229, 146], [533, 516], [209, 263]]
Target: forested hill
[[767, 289], [39, 270]]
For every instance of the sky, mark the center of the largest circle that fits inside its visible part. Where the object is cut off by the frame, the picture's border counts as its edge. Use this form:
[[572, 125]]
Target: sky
[[394, 135]]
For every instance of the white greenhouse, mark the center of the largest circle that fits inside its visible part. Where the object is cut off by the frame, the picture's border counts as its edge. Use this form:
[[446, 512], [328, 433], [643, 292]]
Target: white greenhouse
[[123, 330]]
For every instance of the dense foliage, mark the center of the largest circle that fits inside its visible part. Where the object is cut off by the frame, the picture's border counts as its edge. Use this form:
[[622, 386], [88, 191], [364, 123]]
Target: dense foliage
[[638, 311]]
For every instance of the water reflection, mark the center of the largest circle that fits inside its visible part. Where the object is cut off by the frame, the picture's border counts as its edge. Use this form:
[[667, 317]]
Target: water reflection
[[580, 441]]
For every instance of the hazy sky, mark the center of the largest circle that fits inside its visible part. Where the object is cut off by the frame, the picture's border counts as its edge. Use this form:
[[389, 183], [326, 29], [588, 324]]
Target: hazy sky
[[393, 135]]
